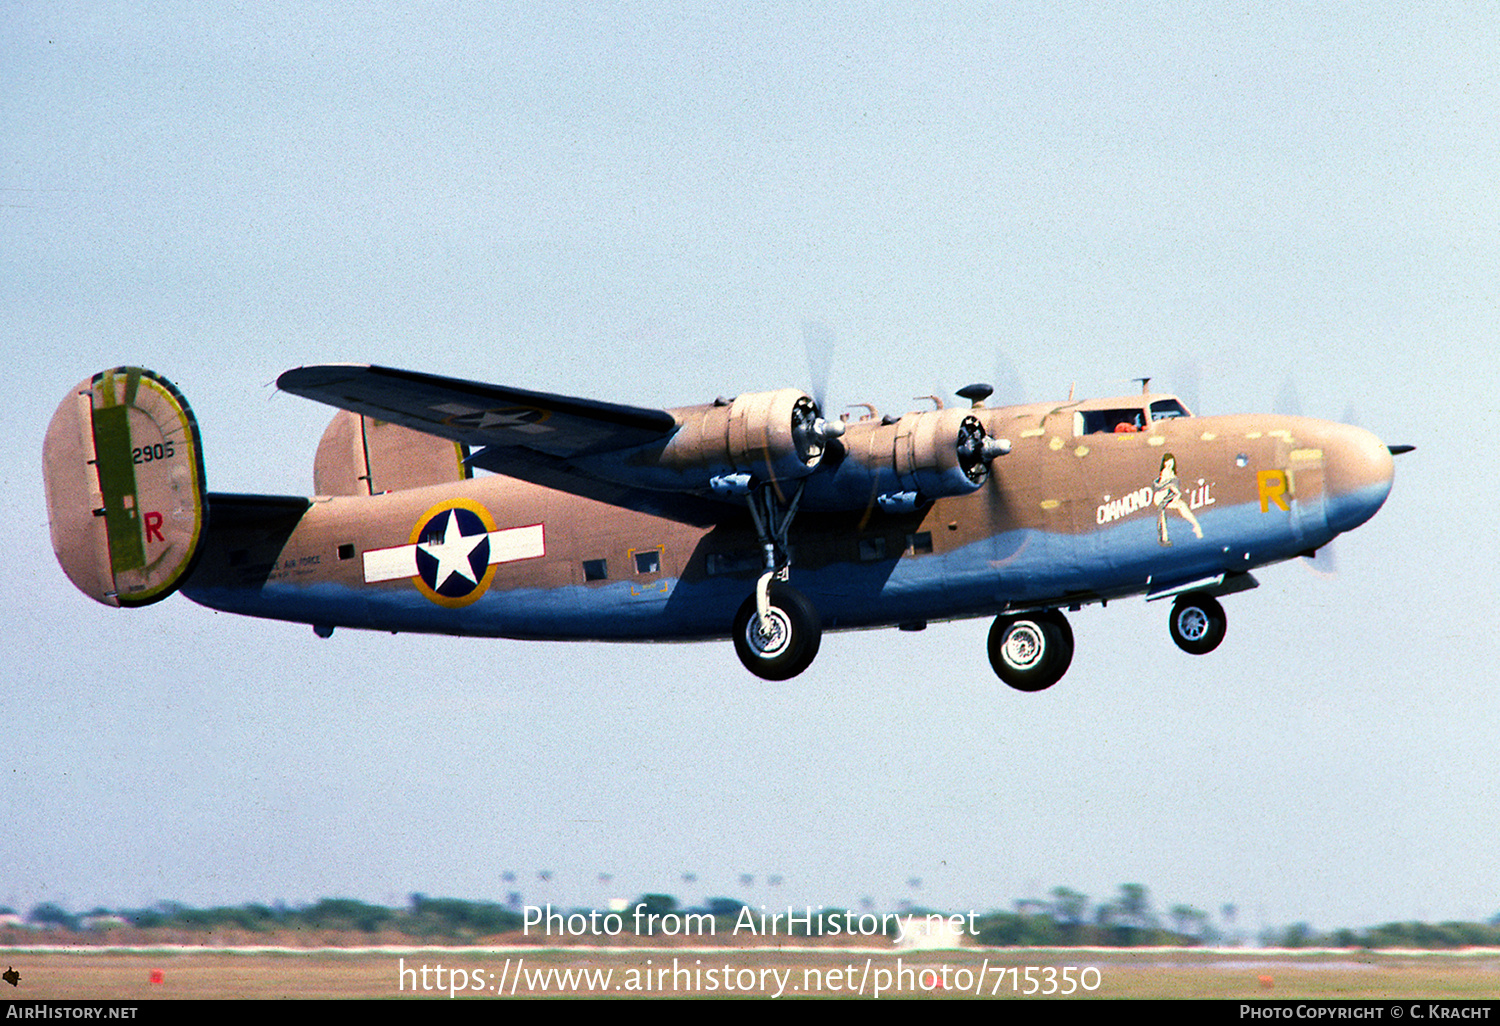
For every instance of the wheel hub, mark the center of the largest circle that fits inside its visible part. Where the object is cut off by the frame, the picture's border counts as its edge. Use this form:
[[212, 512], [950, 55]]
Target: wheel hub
[[1023, 646], [770, 637], [1192, 623]]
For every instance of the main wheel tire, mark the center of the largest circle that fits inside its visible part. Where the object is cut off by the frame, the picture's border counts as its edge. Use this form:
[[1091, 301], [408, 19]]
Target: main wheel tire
[[786, 645], [1031, 652], [1197, 623]]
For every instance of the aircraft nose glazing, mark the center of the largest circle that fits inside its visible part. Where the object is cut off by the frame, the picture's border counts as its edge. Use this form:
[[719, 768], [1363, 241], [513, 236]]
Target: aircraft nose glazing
[[1359, 470]]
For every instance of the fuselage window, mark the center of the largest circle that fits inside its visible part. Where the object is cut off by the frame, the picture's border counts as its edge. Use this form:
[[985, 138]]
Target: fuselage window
[[648, 562], [595, 569], [1166, 409]]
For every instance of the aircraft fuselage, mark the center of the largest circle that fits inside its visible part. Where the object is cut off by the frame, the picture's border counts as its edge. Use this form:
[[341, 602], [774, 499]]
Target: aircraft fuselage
[[1069, 517]]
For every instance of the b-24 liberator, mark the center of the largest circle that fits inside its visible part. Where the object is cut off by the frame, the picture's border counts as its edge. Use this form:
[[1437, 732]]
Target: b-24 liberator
[[754, 518]]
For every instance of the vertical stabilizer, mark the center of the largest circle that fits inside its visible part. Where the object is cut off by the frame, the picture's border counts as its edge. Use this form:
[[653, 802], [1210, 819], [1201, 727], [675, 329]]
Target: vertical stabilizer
[[124, 475], [359, 455]]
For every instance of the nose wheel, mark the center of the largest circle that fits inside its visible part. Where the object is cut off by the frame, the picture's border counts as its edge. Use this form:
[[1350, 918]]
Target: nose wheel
[[1032, 651], [783, 642], [1197, 623]]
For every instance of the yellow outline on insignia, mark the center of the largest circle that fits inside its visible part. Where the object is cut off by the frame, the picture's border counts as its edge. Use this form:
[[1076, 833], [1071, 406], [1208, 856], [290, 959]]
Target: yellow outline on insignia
[[489, 574]]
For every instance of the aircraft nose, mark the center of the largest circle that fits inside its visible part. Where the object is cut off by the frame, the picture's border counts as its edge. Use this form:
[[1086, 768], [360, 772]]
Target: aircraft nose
[[1358, 470]]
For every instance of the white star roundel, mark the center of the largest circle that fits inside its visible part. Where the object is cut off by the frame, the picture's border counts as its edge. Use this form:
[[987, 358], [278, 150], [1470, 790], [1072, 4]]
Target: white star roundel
[[453, 552]]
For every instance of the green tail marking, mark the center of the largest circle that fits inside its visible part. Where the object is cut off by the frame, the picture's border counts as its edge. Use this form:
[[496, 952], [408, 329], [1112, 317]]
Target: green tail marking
[[112, 454]]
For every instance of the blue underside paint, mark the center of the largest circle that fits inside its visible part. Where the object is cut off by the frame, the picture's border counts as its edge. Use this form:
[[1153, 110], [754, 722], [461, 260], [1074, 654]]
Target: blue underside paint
[[1012, 570]]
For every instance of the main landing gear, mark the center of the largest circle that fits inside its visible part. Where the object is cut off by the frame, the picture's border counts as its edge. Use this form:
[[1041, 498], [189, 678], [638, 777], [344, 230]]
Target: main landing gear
[[782, 642], [1032, 651], [777, 630]]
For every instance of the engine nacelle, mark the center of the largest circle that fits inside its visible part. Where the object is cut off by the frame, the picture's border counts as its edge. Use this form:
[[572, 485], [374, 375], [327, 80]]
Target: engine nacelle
[[923, 456], [770, 435], [730, 445]]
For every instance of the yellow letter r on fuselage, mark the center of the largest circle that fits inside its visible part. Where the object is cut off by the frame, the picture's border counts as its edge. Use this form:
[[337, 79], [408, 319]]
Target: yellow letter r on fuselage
[[1272, 485]]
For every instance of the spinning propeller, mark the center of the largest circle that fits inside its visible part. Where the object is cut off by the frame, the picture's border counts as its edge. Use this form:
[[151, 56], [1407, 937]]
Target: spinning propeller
[[813, 430]]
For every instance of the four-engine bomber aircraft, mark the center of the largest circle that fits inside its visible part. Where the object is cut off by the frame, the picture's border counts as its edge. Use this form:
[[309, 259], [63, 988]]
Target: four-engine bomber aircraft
[[753, 517]]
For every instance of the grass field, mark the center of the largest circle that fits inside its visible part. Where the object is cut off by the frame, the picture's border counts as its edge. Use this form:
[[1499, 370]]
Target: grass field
[[112, 974]]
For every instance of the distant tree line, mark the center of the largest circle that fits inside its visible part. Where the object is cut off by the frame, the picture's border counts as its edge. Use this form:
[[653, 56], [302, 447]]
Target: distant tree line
[[1128, 920], [1390, 935], [446, 918], [1065, 918]]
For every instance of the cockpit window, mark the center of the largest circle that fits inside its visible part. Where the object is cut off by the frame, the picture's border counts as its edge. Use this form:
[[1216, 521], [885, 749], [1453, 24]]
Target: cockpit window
[[1166, 409], [1113, 421]]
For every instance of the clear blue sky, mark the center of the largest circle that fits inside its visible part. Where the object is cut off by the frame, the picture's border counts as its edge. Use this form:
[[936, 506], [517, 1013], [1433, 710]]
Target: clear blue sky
[[642, 203]]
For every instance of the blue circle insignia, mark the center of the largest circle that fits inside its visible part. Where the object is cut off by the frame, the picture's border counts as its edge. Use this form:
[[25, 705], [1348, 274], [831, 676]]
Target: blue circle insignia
[[453, 553]]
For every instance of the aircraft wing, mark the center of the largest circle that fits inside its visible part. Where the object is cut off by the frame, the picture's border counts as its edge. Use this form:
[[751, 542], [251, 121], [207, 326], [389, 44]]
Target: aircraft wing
[[693, 464], [481, 415], [560, 476], [531, 436]]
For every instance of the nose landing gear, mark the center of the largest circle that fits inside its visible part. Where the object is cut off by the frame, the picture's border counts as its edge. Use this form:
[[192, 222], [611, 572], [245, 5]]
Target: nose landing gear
[[1197, 623]]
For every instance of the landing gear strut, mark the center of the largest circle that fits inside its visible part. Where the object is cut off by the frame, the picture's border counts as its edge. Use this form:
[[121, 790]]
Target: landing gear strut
[[1032, 651], [1197, 623], [777, 630]]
